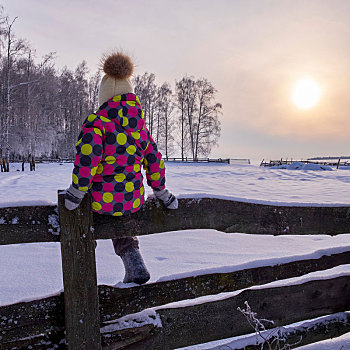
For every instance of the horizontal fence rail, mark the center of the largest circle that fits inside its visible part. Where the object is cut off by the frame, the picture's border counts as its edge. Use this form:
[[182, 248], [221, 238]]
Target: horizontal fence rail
[[44, 319], [91, 317], [40, 223]]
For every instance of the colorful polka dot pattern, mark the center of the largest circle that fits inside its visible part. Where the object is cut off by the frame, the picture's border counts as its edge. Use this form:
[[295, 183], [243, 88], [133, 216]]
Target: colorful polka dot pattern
[[113, 145]]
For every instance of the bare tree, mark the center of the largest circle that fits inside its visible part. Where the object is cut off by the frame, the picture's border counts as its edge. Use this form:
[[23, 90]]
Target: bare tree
[[165, 122], [146, 89]]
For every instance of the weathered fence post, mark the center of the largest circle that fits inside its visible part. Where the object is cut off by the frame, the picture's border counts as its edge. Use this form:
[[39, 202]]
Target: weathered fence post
[[79, 276]]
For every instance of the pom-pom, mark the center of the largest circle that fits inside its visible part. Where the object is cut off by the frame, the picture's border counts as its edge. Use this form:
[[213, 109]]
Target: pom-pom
[[118, 66]]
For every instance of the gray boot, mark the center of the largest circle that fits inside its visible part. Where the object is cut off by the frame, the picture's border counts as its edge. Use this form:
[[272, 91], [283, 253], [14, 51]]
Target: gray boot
[[135, 268]]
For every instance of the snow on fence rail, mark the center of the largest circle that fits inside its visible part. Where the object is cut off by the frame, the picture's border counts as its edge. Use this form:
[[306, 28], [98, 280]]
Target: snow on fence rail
[[94, 317]]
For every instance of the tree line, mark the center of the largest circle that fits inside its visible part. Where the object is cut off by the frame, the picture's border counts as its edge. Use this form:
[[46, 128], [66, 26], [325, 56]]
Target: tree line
[[42, 108]]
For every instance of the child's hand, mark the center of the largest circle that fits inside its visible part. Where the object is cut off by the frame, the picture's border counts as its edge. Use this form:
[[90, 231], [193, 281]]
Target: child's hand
[[73, 198], [168, 199]]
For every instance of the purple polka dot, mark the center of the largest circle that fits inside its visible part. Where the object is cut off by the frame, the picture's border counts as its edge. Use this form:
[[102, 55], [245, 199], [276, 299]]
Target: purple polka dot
[[109, 127], [140, 124], [87, 130], [108, 187], [121, 160], [138, 176], [108, 169], [155, 184], [113, 104], [149, 148], [97, 139], [98, 178], [137, 194], [143, 135], [132, 112], [110, 150], [99, 125], [107, 207], [77, 159], [85, 172], [97, 196], [95, 161], [159, 155], [127, 206], [162, 173], [118, 197], [129, 169], [103, 113], [154, 168]]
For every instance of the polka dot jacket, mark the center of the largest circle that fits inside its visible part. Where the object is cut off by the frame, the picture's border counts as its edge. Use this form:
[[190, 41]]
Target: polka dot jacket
[[113, 145]]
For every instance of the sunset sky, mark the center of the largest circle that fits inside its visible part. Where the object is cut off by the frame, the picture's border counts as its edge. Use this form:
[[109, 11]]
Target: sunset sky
[[255, 52]]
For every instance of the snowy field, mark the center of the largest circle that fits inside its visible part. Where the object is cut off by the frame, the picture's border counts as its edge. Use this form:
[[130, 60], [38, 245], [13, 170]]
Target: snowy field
[[31, 271]]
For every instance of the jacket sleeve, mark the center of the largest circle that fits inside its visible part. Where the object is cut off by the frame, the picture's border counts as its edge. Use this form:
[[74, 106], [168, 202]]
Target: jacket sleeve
[[89, 153], [154, 165]]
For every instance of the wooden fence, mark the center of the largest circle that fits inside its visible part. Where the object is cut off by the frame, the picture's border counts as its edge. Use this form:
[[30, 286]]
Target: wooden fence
[[87, 316], [337, 163]]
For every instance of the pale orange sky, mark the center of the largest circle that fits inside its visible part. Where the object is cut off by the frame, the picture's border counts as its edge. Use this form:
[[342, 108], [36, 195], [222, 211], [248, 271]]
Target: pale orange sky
[[253, 51]]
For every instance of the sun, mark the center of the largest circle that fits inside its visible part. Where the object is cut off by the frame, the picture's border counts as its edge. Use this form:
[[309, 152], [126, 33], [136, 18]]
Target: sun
[[306, 93]]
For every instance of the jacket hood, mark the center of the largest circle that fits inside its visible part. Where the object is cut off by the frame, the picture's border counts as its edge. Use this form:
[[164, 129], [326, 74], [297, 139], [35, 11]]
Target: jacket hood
[[124, 110]]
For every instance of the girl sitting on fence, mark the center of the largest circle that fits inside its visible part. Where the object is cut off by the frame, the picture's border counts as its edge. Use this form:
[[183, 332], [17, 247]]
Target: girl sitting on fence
[[113, 145]]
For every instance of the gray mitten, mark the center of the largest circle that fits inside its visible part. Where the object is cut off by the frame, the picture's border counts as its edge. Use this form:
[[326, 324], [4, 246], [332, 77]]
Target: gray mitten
[[73, 198], [168, 199]]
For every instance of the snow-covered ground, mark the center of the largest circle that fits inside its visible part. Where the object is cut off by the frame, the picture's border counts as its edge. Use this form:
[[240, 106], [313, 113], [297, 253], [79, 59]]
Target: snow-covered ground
[[33, 270]]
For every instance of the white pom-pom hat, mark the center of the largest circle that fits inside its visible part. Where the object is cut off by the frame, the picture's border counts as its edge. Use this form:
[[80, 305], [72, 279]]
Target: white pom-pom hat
[[118, 68]]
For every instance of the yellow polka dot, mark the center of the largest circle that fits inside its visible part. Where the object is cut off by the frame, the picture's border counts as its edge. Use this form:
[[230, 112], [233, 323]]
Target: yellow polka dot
[[97, 131], [86, 149], [110, 160], [117, 213], [155, 176], [93, 171], [83, 189], [145, 161], [107, 197], [92, 117], [78, 143], [121, 139], [104, 119], [161, 164], [131, 149], [99, 169], [131, 103], [142, 115], [129, 186], [136, 203], [137, 168], [75, 179], [137, 100], [142, 190], [120, 113], [96, 206], [119, 177], [125, 121], [117, 98], [135, 135]]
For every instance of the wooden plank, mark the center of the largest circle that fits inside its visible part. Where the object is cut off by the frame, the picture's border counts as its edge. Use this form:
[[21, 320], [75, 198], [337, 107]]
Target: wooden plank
[[79, 276], [227, 216], [308, 333], [117, 302], [184, 326], [46, 316], [29, 321], [34, 224], [28, 224]]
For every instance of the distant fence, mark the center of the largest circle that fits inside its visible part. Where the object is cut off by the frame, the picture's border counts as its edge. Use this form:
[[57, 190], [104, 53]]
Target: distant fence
[[89, 317], [336, 163]]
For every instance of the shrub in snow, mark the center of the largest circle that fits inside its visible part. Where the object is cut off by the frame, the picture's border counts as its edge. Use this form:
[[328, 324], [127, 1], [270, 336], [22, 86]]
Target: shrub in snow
[[272, 339]]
